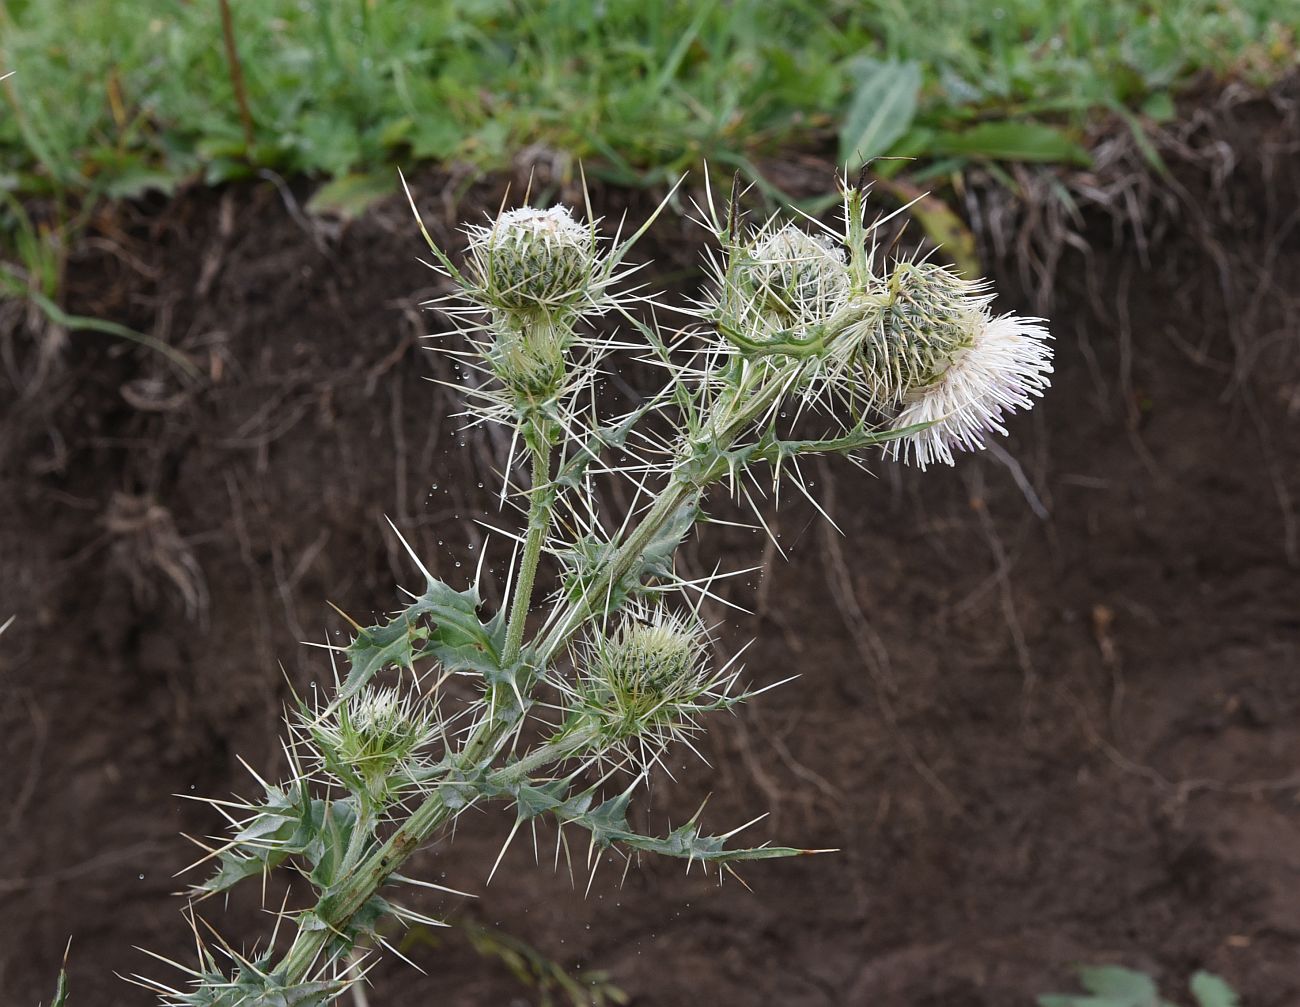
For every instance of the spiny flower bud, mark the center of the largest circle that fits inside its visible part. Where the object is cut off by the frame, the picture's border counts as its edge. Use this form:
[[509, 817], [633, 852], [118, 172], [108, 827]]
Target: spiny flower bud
[[644, 679], [369, 742], [533, 262], [798, 278], [907, 333], [530, 362], [1001, 367]]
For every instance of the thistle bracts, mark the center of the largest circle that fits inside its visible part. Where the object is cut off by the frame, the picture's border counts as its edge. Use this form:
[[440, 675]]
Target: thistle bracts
[[532, 264], [914, 345], [640, 683], [801, 347]]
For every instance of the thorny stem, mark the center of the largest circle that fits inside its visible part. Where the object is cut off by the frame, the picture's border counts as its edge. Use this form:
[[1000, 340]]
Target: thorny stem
[[539, 520], [726, 422], [336, 910], [733, 415]]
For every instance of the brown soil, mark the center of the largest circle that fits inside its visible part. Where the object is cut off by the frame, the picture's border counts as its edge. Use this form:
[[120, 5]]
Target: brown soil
[[1048, 711]]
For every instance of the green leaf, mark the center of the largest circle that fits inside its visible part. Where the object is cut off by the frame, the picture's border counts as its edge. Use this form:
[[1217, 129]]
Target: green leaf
[[912, 144], [607, 823], [458, 638], [1012, 141], [1159, 107], [1211, 991], [349, 196], [135, 181], [453, 635], [328, 850], [395, 644], [435, 138], [1127, 986], [881, 110], [1078, 1000], [61, 990], [1108, 986], [288, 823]]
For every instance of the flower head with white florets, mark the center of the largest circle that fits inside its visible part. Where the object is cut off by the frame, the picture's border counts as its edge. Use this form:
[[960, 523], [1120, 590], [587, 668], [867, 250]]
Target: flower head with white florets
[[1003, 366], [535, 264], [530, 277], [915, 347]]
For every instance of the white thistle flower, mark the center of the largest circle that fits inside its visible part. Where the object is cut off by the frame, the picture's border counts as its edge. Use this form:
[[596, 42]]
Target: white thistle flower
[[1005, 366], [535, 261], [799, 277]]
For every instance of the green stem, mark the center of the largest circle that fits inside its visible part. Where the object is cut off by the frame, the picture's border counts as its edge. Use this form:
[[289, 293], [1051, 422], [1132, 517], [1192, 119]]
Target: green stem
[[539, 520], [722, 429], [337, 910], [731, 418]]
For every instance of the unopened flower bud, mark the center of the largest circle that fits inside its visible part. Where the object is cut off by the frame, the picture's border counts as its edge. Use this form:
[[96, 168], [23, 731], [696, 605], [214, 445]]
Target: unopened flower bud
[[369, 742], [797, 277], [530, 362], [643, 679], [533, 262]]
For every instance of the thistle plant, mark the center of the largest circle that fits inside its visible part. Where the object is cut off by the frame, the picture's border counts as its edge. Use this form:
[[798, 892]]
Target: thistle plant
[[805, 343]]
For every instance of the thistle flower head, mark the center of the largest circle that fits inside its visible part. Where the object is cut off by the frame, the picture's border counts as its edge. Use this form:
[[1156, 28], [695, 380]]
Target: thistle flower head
[[797, 277], [642, 684], [533, 263], [370, 743], [905, 332], [1001, 366], [779, 284], [529, 278]]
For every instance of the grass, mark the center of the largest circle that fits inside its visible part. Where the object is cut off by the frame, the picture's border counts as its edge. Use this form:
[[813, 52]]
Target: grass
[[115, 99], [108, 99]]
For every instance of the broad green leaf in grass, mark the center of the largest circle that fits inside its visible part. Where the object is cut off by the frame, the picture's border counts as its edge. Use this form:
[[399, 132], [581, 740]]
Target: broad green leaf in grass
[[349, 196], [1108, 986], [133, 181], [1211, 991], [1116, 981], [914, 143], [882, 109], [1012, 141], [435, 136], [1159, 107]]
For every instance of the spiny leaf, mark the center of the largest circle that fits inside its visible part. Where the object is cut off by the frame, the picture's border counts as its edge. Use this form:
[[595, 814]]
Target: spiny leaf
[[453, 635], [686, 843], [607, 822], [395, 644], [291, 823]]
